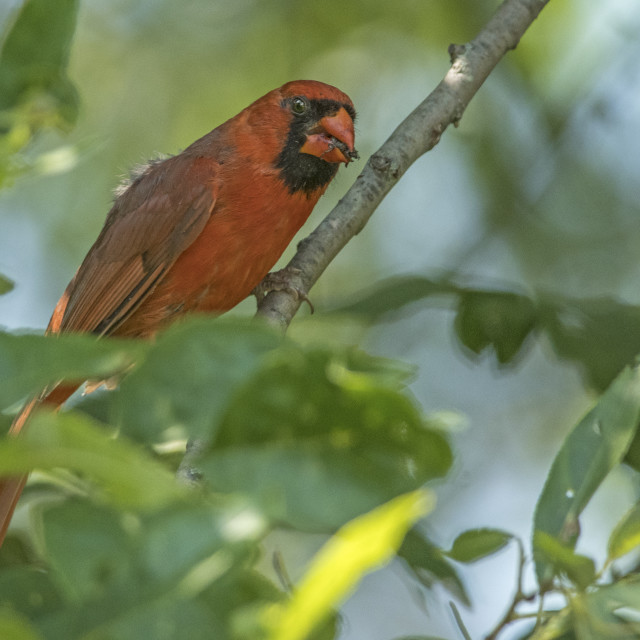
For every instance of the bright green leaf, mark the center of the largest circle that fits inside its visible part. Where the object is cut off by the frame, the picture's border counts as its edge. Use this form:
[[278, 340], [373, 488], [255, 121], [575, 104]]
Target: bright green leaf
[[361, 546], [596, 445], [475, 544], [15, 627], [127, 474], [562, 559], [626, 535]]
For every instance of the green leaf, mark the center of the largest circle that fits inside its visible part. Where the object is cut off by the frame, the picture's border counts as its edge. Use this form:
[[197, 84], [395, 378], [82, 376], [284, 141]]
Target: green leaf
[[28, 591], [28, 363], [6, 285], [15, 627], [189, 376], [127, 475], [596, 445], [316, 438], [88, 548], [392, 295], [626, 536], [35, 54], [501, 320], [562, 559], [429, 565], [608, 611], [602, 335], [359, 547], [475, 544]]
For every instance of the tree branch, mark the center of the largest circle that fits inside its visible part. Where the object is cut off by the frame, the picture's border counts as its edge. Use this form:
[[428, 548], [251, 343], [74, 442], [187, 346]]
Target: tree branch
[[471, 64]]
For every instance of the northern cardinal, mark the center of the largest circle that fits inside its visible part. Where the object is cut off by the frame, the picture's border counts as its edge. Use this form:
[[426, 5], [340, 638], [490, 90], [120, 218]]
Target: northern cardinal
[[200, 230]]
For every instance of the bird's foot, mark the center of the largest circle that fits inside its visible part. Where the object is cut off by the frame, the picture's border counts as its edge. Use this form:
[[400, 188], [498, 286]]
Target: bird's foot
[[287, 279]]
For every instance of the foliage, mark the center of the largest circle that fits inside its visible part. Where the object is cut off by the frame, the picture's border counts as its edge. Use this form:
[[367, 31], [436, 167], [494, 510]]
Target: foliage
[[313, 437]]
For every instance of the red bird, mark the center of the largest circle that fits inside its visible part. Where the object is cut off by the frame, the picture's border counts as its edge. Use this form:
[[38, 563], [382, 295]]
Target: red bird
[[200, 230]]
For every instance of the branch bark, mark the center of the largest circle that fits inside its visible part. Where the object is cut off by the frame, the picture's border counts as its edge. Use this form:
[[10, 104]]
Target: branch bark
[[471, 64]]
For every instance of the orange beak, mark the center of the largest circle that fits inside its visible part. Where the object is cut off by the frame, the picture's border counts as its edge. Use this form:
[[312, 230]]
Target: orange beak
[[332, 139]]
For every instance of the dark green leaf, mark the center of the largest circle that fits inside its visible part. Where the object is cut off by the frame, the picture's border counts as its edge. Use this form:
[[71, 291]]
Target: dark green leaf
[[592, 449], [29, 591], [475, 544], [392, 295], [29, 362], [317, 438], [562, 559], [88, 548], [501, 320], [35, 54], [430, 565], [189, 377], [6, 285], [601, 334]]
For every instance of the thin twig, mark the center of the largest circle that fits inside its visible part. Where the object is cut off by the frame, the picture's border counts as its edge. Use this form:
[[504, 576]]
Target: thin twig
[[418, 133]]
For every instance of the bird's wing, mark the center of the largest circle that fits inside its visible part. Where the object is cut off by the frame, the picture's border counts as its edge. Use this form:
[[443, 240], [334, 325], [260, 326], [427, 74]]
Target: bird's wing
[[149, 226]]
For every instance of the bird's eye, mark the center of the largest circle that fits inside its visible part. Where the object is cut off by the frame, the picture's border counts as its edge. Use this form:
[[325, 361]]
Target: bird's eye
[[299, 106]]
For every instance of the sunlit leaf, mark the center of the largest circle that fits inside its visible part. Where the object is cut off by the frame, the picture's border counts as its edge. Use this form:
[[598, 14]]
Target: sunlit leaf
[[359, 547], [475, 544], [596, 445], [626, 536], [15, 627], [562, 559]]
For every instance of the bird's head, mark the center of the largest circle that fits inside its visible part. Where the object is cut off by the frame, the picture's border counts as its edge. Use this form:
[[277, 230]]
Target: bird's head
[[312, 126]]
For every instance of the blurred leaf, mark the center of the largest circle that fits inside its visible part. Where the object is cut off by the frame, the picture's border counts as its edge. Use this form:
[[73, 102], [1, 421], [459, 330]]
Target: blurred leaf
[[597, 444], [189, 376], [6, 285], [501, 320], [35, 54], [126, 473], [15, 627], [28, 591], [626, 536], [601, 334], [609, 611], [563, 559], [316, 438], [475, 544], [88, 548], [362, 545], [28, 363], [392, 295], [429, 564]]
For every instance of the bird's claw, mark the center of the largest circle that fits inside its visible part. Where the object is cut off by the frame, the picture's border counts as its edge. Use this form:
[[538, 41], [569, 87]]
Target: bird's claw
[[287, 279]]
